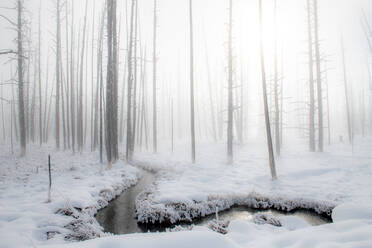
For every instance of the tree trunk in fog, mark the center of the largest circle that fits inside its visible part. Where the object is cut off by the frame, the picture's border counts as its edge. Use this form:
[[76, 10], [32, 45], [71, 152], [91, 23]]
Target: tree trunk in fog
[[130, 84], [154, 59], [72, 84], [58, 74], [39, 77], [111, 85], [20, 55], [101, 116], [348, 114], [97, 104], [80, 131], [172, 124], [192, 111], [230, 91], [101, 109], [266, 108], [311, 80], [11, 120], [14, 114], [27, 97], [213, 118], [67, 85], [318, 78], [92, 105], [276, 86], [134, 80], [63, 107], [46, 102], [33, 101], [122, 112], [328, 109], [242, 106], [143, 125], [281, 102], [115, 63], [49, 110]]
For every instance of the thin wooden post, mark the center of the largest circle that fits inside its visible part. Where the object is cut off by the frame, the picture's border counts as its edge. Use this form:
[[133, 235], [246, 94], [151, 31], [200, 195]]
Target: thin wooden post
[[50, 179]]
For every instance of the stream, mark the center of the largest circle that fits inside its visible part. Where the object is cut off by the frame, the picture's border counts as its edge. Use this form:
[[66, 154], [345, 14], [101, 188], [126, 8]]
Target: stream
[[119, 217]]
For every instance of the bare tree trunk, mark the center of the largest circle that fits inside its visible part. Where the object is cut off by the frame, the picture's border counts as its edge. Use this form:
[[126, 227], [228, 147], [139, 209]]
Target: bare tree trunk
[[130, 82], [328, 109], [276, 85], [140, 96], [85, 105], [58, 74], [49, 110], [154, 58], [67, 81], [172, 124], [212, 110], [46, 101], [101, 116], [311, 80], [101, 109], [92, 86], [266, 108], [40, 95], [80, 131], [144, 105], [72, 84], [135, 80], [108, 121], [281, 103], [99, 79], [33, 102], [14, 115], [115, 84], [318, 78], [111, 86], [230, 91], [21, 107], [349, 127], [11, 121], [63, 108], [27, 97], [242, 106], [192, 111], [122, 112]]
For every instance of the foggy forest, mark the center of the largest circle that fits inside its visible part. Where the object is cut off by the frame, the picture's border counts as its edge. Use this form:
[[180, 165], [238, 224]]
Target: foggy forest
[[184, 123]]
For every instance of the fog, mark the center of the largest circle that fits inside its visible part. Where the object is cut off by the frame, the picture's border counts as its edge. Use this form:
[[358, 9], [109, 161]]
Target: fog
[[336, 19]]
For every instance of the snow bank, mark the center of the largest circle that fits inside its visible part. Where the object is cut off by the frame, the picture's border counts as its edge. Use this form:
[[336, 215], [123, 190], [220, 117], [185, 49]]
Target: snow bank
[[352, 211], [149, 211], [79, 188]]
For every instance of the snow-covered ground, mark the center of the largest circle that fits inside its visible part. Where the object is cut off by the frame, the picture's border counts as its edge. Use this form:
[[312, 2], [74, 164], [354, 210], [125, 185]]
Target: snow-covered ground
[[320, 181], [79, 187], [339, 177]]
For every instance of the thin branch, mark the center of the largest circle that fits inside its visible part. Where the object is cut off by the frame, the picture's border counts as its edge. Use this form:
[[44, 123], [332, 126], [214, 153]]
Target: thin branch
[[4, 52], [7, 19]]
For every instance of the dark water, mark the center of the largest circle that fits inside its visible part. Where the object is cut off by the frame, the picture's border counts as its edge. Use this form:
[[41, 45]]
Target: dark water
[[119, 216]]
